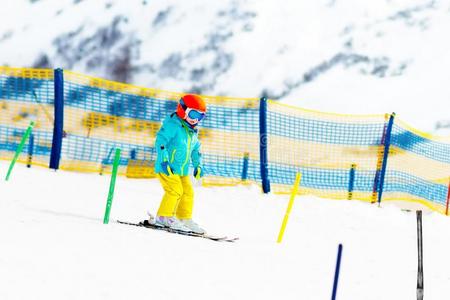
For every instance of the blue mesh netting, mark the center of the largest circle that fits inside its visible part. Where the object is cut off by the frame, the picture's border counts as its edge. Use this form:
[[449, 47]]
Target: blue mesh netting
[[101, 115], [23, 100]]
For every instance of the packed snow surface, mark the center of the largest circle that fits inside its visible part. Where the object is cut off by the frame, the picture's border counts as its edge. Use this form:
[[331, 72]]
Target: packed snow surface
[[54, 244]]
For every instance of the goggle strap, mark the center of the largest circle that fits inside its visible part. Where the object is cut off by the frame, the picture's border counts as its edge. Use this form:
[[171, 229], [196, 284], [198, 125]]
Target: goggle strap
[[183, 105]]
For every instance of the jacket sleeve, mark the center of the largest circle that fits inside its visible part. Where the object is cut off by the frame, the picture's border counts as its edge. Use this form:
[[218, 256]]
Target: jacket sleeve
[[163, 138], [196, 156]]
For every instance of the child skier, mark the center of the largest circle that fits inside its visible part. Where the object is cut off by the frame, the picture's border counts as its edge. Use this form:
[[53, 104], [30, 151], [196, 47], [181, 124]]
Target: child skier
[[177, 145]]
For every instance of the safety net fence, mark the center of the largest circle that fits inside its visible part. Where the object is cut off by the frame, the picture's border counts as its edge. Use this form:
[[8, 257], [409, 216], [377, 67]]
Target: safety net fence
[[324, 148], [418, 168], [26, 95], [362, 157], [102, 115]]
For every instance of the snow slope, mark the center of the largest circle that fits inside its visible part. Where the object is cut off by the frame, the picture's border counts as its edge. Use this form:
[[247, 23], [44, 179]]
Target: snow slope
[[54, 245]]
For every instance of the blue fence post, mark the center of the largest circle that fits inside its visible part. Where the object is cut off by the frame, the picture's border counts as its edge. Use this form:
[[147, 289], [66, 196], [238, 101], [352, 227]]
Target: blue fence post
[[263, 145], [245, 167], [376, 180], [133, 154], [387, 144], [30, 150], [59, 119], [351, 182]]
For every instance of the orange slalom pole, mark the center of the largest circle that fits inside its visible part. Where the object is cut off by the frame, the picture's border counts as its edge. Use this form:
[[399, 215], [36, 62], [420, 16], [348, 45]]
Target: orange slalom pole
[[288, 211]]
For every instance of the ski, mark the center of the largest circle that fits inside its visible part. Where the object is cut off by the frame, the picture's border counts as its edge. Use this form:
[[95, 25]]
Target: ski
[[146, 224]]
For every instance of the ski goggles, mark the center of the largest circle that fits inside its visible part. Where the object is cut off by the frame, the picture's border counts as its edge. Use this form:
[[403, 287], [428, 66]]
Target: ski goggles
[[191, 113]]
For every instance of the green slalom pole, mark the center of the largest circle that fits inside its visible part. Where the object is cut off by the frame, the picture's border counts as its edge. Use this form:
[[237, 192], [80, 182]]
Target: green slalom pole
[[112, 184], [19, 149]]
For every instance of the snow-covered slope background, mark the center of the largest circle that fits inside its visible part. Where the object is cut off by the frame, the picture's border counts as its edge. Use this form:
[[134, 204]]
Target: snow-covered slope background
[[346, 56], [332, 55]]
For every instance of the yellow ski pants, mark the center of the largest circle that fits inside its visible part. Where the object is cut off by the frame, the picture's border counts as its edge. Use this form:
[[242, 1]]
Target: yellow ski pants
[[178, 199]]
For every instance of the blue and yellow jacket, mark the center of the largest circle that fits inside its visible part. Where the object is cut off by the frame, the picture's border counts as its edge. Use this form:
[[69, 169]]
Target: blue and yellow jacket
[[177, 143]]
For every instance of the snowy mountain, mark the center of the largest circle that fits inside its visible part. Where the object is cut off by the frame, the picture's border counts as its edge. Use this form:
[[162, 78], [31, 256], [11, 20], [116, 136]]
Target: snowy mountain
[[341, 56]]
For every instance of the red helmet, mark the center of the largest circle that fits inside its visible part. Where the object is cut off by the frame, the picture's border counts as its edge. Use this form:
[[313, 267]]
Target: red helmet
[[191, 101]]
